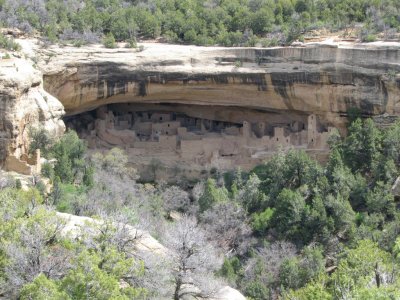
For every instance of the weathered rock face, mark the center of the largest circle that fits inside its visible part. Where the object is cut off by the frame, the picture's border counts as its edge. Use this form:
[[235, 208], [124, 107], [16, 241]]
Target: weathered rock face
[[24, 103], [322, 79]]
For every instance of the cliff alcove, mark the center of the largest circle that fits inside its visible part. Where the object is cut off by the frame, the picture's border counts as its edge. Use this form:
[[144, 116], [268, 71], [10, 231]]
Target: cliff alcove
[[275, 91], [179, 149], [190, 140]]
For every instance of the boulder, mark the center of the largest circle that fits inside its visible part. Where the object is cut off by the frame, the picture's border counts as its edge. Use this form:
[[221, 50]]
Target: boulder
[[228, 293]]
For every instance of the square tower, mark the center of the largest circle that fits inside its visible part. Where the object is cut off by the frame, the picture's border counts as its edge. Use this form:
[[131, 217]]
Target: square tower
[[311, 129]]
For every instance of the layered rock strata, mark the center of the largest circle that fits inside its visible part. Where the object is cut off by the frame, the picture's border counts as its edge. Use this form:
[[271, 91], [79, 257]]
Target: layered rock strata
[[321, 79], [275, 86]]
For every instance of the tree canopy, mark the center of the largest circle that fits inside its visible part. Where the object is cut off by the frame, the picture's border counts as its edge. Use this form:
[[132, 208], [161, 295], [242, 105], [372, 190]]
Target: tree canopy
[[291, 227], [224, 22]]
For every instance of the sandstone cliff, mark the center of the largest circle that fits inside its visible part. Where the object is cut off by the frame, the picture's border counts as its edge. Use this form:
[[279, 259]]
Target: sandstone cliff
[[323, 79], [280, 85], [24, 103]]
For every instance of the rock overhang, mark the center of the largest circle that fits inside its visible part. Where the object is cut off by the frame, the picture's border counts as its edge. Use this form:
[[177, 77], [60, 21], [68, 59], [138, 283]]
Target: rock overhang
[[221, 84], [318, 79]]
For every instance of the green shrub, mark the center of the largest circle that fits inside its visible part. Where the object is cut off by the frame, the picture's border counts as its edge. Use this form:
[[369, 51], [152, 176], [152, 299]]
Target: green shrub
[[171, 36], [369, 38], [290, 273], [238, 63], [69, 152], [257, 290], [48, 171], [77, 43], [190, 36], [67, 197], [40, 139], [9, 43], [41, 187], [42, 288], [204, 40], [262, 220], [18, 184], [212, 194], [230, 269], [273, 42], [131, 43], [109, 41]]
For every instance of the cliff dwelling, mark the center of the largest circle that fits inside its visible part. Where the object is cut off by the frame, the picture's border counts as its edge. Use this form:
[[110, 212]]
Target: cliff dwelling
[[220, 115], [194, 139]]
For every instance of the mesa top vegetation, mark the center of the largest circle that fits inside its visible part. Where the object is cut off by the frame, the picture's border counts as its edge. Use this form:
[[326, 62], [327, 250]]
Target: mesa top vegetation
[[223, 22]]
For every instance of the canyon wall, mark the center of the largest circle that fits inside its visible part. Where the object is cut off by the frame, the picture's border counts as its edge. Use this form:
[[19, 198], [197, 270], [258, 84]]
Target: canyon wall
[[276, 85], [322, 79], [24, 104]]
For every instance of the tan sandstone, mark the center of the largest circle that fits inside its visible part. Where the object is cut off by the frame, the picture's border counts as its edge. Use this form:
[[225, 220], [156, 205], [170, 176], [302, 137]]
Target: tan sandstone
[[274, 90], [24, 104], [321, 78], [277, 87]]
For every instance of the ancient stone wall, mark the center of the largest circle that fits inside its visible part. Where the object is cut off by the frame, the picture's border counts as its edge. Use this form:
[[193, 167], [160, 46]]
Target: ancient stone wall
[[177, 139], [26, 165], [166, 128]]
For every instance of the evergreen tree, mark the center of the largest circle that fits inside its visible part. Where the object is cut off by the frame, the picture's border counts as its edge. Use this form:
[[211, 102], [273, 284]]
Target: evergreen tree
[[211, 195]]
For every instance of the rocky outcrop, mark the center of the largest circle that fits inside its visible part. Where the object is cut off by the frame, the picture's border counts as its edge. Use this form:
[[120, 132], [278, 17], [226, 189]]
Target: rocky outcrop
[[280, 86], [323, 79], [228, 293], [141, 242], [24, 104]]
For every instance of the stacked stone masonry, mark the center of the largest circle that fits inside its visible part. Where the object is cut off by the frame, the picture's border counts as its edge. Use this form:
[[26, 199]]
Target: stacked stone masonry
[[25, 164], [192, 141]]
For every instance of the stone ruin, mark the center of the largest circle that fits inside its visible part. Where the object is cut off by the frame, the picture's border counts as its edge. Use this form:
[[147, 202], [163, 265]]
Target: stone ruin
[[177, 139], [25, 164]]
